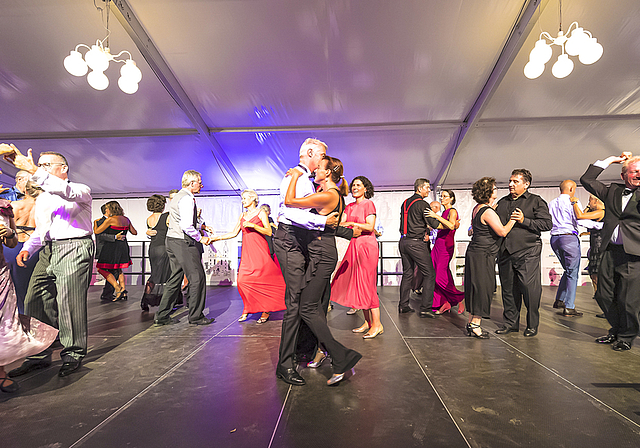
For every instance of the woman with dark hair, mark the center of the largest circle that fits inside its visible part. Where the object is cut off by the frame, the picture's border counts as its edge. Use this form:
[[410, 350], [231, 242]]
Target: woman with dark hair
[[260, 281], [354, 284], [323, 257], [445, 294], [160, 267], [115, 255], [480, 259]]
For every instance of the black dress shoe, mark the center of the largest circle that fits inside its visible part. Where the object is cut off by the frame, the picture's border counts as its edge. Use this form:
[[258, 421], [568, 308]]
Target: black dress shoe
[[429, 314], [29, 366], [405, 309], [530, 332], [620, 346], [203, 321], [290, 376], [69, 367], [160, 323], [606, 339], [571, 312], [505, 330], [558, 304]]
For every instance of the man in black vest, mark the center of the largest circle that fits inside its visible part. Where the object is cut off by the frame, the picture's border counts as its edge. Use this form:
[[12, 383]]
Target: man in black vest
[[519, 255], [618, 291], [415, 218], [184, 255]]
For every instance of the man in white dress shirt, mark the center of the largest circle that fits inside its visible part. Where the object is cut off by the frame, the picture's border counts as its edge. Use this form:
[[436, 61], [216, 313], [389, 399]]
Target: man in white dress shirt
[[295, 229], [57, 293]]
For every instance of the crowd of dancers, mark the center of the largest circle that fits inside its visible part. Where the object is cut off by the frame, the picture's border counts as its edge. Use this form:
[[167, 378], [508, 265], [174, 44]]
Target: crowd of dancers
[[292, 265]]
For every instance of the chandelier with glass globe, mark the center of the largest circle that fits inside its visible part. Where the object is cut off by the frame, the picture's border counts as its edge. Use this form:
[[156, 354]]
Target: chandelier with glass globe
[[97, 58]]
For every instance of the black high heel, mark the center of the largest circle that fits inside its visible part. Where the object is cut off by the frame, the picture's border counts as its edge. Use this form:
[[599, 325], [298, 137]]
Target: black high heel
[[483, 334]]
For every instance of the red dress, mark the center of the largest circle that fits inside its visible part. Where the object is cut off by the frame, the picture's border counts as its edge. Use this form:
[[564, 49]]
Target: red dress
[[441, 254], [260, 281], [354, 284]]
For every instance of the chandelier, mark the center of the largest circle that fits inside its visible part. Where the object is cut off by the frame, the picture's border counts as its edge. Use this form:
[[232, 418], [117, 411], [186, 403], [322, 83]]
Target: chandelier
[[576, 42], [97, 58]]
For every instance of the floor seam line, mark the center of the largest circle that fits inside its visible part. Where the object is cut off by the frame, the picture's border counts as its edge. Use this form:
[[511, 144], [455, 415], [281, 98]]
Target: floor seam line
[[143, 392], [275, 429], [427, 377]]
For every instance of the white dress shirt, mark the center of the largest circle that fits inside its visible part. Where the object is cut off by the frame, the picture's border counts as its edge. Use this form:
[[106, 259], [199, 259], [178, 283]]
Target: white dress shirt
[[301, 217], [62, 211], [187, 206]]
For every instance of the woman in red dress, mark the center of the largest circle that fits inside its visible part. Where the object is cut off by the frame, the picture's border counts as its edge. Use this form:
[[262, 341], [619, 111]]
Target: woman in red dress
[[445, 294], [260, 281], [354, 284], [114, 255]]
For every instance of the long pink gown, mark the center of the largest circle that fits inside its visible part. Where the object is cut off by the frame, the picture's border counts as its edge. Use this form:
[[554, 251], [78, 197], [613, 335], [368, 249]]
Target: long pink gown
[[354, 284], [441, 254], [260, 281]]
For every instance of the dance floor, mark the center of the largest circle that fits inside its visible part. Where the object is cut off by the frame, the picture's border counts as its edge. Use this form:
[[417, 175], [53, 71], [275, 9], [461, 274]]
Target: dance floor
[[422, 383]]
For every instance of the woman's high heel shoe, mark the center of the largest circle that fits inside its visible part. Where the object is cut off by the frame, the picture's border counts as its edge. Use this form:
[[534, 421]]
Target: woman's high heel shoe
[[337, 377], [8, 385], [318, 360], [471, 333], [263, 318], [461, 307], [364, 327], [370, 335], [444, 308], [243, 317]]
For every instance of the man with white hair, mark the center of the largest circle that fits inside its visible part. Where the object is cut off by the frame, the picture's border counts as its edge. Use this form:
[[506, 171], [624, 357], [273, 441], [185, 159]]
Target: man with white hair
[[295, 230], [184, 255]]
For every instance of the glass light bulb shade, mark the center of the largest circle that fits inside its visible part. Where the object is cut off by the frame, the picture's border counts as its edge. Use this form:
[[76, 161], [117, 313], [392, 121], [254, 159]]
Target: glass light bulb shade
[[541, 53], [127, 86], [576, 42], [96, 59], [533, 70], [591, 52], [563, 66], [98, 80], [131, 72], [75, 64]]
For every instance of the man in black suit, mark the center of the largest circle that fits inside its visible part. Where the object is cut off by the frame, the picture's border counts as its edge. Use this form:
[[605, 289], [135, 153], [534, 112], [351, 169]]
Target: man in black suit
[[619, 273], [519, 255]]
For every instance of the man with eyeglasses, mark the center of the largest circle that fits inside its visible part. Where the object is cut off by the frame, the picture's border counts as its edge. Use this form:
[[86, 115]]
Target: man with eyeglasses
[[57, 293], [618, 291], [184, 255]]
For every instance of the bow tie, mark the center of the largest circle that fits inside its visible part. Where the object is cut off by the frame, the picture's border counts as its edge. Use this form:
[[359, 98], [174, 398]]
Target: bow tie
[[627, 192]]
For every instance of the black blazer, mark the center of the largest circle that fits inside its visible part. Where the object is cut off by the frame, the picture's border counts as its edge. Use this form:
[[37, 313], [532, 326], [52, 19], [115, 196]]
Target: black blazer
[[628, 219]]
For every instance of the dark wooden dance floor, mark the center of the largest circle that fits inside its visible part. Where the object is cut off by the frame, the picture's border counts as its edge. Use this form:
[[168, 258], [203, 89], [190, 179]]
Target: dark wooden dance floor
[[422, 383]]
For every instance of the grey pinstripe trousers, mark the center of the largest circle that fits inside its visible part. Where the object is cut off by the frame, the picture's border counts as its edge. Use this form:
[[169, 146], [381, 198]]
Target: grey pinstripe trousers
[[57, 293]]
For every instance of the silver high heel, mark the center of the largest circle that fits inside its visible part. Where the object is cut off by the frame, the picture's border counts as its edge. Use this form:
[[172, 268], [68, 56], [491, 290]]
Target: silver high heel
[[317, 361], [337, 377]]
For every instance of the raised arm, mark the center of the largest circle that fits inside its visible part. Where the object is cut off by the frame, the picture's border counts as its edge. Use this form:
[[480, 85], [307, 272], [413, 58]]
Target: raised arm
[[493, 220], [316, 200], [444, 223], [234, 233], [102, 227], [264, 229]]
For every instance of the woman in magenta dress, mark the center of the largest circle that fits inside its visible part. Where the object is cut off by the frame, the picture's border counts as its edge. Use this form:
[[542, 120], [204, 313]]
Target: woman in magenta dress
[[446, 294], [354, 284], [260, 281]]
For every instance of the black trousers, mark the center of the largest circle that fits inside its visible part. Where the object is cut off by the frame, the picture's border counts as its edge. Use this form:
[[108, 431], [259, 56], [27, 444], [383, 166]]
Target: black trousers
[[618, 291], [414, 252], [323, 257], [186, 260], [521, 281], [290, 244]]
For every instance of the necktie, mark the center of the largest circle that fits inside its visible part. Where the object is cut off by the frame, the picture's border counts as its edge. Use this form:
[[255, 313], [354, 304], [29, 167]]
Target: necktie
[[627, 192]]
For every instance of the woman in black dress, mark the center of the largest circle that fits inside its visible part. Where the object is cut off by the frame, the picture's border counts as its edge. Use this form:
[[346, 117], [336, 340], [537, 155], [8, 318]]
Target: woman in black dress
[[480, 259], [115, 255], [158, 258], [323, 257]]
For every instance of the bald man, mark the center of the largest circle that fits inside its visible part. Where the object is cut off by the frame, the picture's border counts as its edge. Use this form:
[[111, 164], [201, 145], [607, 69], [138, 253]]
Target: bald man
[[566, 245]]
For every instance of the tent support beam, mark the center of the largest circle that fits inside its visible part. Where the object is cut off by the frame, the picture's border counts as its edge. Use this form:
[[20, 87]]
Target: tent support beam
[[512, 46], [163, 72]]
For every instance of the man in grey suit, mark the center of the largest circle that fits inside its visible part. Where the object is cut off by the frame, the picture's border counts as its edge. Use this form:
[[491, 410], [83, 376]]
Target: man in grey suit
[[184, 254]]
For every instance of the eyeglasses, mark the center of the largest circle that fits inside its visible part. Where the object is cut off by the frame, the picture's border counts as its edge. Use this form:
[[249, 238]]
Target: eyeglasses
[[49, 164]]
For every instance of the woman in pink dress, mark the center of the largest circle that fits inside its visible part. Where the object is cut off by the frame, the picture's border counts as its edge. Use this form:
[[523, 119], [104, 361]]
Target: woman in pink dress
[[19, 337], [446, 294], [260, 281], [354, 284]]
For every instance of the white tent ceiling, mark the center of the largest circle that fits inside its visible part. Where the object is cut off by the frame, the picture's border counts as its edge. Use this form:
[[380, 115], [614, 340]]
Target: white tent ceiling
[[398, 89]]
